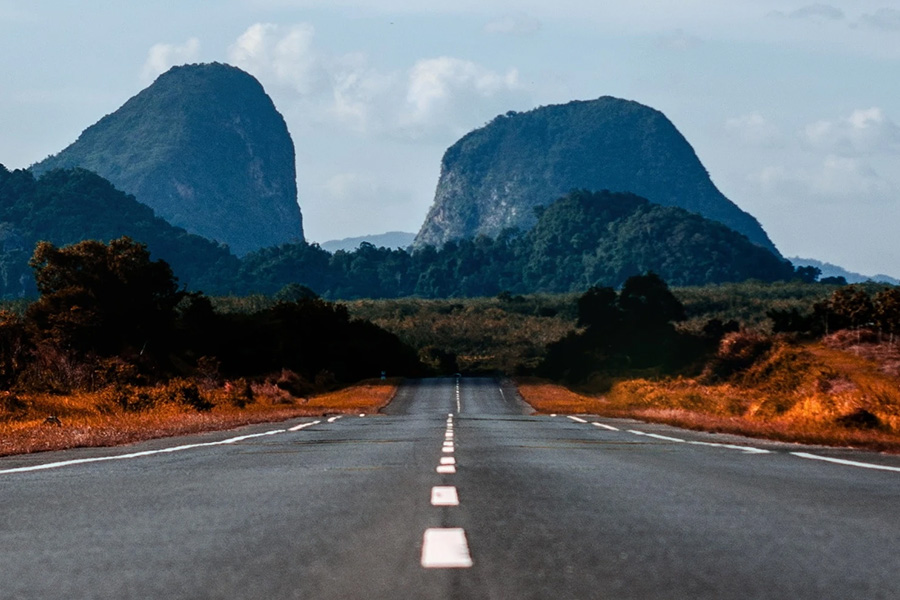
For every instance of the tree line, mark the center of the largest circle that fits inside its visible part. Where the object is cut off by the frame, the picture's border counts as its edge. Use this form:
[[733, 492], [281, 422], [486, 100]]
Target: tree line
[[582, 240], [109, 314]]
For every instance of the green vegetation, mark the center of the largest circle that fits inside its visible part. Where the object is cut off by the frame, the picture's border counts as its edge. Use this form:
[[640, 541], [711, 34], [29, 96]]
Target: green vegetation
[[109, 315], [584, 239], [493, 177], [206, 149], [69, 206]]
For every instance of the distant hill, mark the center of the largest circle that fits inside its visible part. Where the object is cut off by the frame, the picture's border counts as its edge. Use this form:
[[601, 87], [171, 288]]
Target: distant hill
[[206, 149], [391, 239], [830, 270], [581, 240], [493, 177], [68, 206]]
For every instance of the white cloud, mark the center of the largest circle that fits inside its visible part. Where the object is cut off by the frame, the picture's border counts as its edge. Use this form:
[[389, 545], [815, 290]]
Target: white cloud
[[885, 19], [445, 91], [283, 55], [753, 129], [161, 57], [518, 23], [865, 131], [436, 96]]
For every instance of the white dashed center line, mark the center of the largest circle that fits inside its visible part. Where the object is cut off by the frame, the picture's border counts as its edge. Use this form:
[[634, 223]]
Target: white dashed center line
[[448, 460], [577, 419], [444, 495], [445, 548]]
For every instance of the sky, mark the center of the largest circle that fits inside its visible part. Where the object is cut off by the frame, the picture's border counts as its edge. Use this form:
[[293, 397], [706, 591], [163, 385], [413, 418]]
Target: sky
[[793, 107]]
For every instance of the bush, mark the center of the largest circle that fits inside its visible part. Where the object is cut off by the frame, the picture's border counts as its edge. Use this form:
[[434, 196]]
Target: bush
[[737, 352]]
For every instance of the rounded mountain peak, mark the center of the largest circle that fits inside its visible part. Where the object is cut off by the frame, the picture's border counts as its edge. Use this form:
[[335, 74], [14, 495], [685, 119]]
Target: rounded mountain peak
[[494, 177], [205, 147]]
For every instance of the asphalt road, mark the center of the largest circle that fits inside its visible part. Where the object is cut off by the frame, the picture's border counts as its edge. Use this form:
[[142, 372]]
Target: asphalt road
[[538, 507]]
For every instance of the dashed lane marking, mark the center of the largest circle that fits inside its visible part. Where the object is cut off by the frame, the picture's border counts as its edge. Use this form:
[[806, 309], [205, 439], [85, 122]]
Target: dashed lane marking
[[333, 419], [445, 548], [577, 419], [444, 495], [448, 460], [446, 469]]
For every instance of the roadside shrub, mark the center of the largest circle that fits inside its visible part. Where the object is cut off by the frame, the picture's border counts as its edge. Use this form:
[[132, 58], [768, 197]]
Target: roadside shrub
[[240, 392], [859, 419], [188, 394], [737, 352], [296, 385], [11, 406]]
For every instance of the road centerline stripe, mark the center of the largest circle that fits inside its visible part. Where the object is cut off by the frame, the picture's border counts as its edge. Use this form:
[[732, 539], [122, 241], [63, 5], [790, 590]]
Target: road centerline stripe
[[445, 548], [444, 495], [577, 419]]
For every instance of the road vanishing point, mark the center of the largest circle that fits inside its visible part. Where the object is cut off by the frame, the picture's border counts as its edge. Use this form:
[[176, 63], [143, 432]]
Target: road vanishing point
[[455, 491]]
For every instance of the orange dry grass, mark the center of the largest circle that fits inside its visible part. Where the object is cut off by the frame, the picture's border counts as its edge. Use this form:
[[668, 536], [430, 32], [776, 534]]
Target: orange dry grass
[[89, 420], [550, 398], [794, 395]]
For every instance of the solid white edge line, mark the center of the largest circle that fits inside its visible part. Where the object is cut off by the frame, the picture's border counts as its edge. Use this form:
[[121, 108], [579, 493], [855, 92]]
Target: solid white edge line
[[304, 426], [605, 426], [445, 548], [745, 449], [849, 463], [577, 419], [81, 461]]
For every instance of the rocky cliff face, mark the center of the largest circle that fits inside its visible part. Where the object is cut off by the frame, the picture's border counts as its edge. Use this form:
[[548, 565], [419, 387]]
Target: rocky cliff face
[[494, 177], [206, 149]]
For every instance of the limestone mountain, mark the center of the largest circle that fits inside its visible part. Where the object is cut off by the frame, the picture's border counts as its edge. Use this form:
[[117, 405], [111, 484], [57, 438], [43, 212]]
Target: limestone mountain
[[206, 149], [494, 177]]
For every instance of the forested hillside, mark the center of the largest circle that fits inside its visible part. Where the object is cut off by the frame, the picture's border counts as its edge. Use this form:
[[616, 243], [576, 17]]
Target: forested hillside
[[582, 240], [68, 206]]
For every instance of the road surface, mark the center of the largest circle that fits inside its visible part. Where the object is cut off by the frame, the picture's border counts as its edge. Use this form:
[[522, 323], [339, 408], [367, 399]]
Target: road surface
[[457, 491]]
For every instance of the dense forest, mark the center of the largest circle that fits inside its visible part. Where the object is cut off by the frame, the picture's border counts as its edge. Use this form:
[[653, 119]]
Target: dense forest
[[582, 240]]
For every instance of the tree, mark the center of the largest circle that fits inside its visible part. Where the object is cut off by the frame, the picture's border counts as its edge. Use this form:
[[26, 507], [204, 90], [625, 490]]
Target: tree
[[887, 311], [648, 303], [103, 297]]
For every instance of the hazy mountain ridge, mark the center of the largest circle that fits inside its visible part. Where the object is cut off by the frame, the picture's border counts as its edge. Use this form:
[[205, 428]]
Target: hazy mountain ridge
[[830, 270], [390, 239], [493, 177], [206, 149]]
